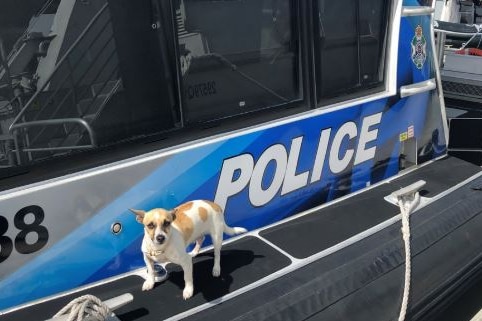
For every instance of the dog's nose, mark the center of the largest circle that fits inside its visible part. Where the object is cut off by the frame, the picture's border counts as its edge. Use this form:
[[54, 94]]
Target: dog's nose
[[160, 238]]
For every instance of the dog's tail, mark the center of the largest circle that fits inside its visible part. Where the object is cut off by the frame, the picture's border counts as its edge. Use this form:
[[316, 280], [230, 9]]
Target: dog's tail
[[234, 230]]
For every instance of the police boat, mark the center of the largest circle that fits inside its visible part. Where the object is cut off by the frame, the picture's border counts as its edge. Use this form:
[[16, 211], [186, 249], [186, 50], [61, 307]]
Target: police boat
[[319, 126]]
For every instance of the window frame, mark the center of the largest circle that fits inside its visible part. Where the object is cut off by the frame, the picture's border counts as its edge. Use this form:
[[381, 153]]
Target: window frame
[[182, 133], [300, 15], [389, 41]]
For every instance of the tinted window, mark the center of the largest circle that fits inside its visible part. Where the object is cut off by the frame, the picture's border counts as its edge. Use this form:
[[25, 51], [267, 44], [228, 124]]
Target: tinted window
[[104, 75], [351, 46], [114, 77], [237, 56]]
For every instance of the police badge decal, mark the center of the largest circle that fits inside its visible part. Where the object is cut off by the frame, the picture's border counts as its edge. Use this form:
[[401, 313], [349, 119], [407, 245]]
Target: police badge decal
[[419, 48]]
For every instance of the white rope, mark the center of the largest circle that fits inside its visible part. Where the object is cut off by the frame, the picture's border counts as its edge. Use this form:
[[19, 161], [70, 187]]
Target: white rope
[[87, 306], [407, 205]]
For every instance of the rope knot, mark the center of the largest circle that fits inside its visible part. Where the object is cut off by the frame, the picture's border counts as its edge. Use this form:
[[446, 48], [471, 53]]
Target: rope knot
[[87, 306]]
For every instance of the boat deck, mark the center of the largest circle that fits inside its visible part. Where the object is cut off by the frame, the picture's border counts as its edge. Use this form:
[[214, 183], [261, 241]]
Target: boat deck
[[344, 261]]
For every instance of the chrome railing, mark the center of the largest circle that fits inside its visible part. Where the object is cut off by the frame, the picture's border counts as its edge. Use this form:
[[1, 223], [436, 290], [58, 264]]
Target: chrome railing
[[67, 86]]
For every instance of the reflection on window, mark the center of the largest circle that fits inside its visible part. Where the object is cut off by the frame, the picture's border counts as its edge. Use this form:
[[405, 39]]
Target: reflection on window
[[352, 42], [236, 56], [97, 76], [106, 72]]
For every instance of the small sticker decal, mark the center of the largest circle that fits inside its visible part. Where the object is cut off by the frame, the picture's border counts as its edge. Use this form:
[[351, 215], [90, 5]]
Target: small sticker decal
[[411, 132], [419, 48]]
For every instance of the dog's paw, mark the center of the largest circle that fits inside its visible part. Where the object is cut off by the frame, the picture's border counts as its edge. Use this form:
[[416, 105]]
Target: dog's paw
[[187, 293], [216, 271], [148, 284]]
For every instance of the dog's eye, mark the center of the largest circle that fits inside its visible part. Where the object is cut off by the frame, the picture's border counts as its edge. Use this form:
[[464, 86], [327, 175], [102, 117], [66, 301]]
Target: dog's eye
[[151, 226], [166, 223]]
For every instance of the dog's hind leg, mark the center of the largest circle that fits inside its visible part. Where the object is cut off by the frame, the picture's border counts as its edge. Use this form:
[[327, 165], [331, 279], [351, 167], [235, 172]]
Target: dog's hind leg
[[197, 247]]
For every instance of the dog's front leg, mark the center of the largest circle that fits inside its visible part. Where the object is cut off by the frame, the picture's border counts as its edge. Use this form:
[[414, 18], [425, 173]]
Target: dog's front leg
[[150, 281], [186, 265]]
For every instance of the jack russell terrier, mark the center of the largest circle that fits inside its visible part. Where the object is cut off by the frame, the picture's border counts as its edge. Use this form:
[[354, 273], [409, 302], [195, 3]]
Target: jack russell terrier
[[168, 233]]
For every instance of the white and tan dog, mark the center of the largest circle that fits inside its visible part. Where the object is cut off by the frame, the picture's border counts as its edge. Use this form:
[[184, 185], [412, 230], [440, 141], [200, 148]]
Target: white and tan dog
[[168, 233]]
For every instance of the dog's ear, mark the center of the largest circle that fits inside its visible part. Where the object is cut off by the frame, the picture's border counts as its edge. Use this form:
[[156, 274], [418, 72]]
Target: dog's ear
[[173, 214], [139, 215]]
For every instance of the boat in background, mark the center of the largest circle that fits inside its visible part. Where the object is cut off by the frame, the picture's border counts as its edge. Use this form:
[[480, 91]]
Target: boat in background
[[458, 28]]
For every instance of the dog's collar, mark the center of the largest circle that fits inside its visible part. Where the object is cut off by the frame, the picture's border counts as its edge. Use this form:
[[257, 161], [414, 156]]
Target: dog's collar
[[150, 251]]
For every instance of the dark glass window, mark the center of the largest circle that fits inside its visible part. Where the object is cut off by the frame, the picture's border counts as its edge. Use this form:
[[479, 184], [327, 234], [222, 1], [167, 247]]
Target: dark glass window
[[106, 76], [237, 56], [83, 74], [352, 40]]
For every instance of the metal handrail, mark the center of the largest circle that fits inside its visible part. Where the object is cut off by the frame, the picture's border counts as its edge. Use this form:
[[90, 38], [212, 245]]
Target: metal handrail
[[417, 88], [411, 11], [116, 87], [70, 92], [59, 121], [15, 124]]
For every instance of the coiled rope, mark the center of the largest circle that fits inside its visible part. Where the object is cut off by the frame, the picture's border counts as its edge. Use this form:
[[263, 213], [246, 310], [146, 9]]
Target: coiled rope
[[87, 306]]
